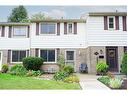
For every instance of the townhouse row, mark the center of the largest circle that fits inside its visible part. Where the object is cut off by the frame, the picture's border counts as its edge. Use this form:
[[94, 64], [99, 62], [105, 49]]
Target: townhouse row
[[97, 36]]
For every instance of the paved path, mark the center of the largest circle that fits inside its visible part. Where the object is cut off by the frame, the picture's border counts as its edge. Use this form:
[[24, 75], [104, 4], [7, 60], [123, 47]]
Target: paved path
[[90, 82]]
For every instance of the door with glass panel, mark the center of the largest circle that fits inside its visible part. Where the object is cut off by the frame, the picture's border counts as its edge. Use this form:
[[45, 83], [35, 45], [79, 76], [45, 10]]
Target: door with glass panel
[[0, 60], [70, 58]]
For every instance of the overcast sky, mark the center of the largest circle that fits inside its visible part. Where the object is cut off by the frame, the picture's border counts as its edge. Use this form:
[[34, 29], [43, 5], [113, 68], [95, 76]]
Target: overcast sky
[[61, 11]]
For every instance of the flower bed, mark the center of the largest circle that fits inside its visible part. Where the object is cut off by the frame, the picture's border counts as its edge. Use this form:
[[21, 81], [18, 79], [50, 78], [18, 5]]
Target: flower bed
[[106, 80]]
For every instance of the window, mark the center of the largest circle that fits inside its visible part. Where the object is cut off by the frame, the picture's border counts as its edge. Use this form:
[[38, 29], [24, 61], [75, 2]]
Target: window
[[70, 55], [111, 22], [125, 49], [19, 31], [48, 55], [70, 28], [17, 56], [48, 28]]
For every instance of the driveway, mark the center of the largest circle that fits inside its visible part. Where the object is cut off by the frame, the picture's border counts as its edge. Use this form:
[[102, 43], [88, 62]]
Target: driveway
[[90, 82]]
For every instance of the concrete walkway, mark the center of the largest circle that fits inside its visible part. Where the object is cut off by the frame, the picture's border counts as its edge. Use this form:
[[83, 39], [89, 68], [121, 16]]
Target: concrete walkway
[[90, 82]]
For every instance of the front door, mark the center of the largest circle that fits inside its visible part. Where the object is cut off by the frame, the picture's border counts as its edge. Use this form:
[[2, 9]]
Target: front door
[[112, 58], [70, 58], [0, 60]]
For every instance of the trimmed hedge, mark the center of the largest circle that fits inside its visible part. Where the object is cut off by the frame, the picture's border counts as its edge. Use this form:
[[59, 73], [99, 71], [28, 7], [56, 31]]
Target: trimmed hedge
[[33, 63]]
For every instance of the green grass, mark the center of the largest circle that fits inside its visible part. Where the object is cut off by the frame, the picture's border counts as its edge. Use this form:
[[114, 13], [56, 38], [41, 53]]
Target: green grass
[[16, 82]]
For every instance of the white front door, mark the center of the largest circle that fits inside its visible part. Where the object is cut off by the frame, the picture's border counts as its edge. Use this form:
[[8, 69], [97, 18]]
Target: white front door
[[0, 60], [70, 58]]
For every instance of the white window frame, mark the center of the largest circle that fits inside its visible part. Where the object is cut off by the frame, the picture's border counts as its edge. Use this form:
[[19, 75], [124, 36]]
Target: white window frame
[[68, 28], [0, 30], [53, 62], [1, 59], [17, 50], [113, 22], [19, 35], [66, 56], [47, 23]]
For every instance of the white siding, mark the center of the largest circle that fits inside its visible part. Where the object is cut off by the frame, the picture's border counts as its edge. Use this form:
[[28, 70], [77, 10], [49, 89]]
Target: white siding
[[59, 41], [97, 36], [13, 43]]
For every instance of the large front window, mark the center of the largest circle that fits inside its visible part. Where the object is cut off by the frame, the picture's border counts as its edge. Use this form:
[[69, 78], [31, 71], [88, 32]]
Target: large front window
[[19, 31], [111, 22], [17, 56], [48, 55], [48, 28]]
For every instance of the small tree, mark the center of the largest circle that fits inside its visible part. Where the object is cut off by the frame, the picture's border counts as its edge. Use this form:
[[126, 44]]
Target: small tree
[[124, 64], [39, 16], [61, 62], [18, 14]]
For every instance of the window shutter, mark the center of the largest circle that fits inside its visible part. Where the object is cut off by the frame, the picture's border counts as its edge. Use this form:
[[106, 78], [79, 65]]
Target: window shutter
[[105, 23], [37, 52], [9, 56], [124, 23], [3, 31], [75, 27], [28, 32], [65, 27], [10, 32], [58, 28], [37, 28], [117, 22], [58, 53]]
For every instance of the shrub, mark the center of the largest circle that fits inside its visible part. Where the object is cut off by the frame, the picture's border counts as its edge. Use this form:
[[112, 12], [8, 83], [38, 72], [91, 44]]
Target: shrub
[[32, 63], [61, 62], [101, 67], [34, 73], [72, 79], [5, 68], [18, 70], [69, 69], [104, 80], [61, 75], [115, 83], [124, 64]]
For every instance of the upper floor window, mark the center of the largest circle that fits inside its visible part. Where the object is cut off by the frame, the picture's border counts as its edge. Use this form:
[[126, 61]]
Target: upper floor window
[[48, 28], [19, 31], [70, 28], [111, 23]]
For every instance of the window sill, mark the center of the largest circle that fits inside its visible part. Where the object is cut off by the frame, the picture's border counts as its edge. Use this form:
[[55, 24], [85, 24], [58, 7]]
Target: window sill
[[50, 62], [16, 62], [47, 34]]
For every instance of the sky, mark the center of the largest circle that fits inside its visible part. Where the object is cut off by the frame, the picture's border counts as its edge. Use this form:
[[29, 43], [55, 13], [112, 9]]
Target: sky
[[61, 11]]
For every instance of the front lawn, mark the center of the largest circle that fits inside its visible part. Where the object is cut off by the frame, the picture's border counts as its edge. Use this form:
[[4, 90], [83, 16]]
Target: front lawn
[[15, 82]]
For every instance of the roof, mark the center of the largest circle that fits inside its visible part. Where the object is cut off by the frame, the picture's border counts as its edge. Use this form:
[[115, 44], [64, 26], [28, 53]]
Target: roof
[[13, 23], [60, 20], [107, 13]]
